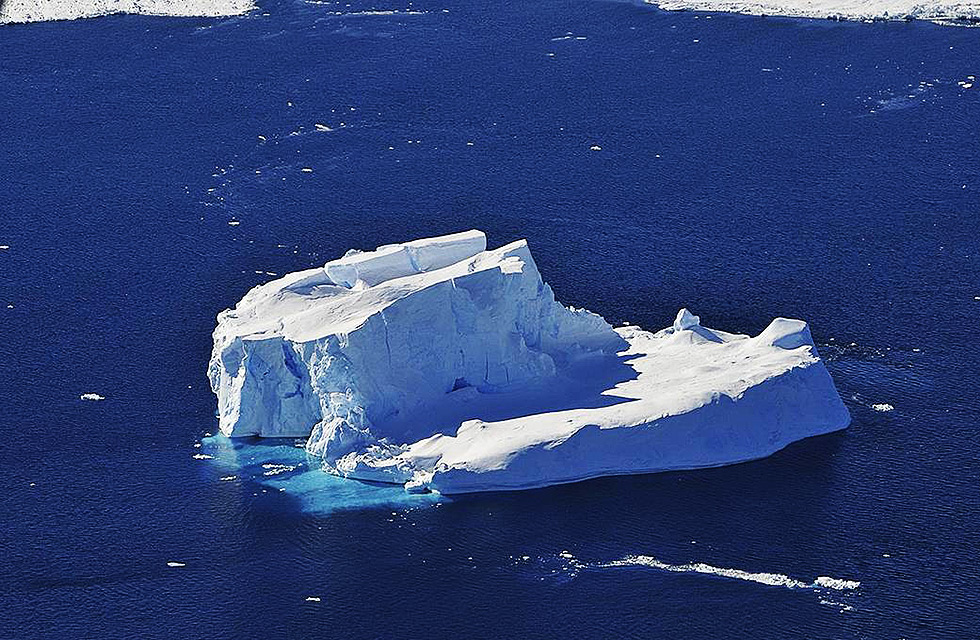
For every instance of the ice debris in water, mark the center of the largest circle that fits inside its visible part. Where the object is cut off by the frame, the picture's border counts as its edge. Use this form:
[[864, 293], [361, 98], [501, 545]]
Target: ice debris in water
[[440, 365]]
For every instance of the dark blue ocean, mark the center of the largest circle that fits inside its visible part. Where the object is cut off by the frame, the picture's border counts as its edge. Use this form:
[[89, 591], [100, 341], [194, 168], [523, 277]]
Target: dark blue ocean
[[152, 172]]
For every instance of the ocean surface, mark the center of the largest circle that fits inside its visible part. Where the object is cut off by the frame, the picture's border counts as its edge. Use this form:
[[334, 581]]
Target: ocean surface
[[153, 170]]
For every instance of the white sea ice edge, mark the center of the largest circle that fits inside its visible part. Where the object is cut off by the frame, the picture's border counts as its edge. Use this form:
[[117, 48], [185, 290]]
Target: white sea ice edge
[[964, 12], [442, 366], [19, 11]]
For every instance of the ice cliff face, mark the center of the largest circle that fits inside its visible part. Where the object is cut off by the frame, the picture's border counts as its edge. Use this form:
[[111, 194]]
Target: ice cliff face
[[439, 364]]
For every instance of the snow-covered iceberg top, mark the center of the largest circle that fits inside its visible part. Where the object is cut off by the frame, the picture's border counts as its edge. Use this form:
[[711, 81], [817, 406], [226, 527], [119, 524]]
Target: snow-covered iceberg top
[[955, 12], [12, 11], [441, 365]]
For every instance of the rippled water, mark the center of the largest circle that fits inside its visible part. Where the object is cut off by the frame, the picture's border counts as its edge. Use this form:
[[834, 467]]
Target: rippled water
[[155, 169]]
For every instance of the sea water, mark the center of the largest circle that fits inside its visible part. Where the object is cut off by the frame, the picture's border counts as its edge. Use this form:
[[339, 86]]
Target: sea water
[[155, 169]]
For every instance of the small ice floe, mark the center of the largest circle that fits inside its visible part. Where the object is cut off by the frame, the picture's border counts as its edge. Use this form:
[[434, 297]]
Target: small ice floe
[[832, 603], [307, 169], [273, 469], [595, 147], [176, 564], [202, 456], [313, 598], [91, 396], [836, 583], [882, 407]]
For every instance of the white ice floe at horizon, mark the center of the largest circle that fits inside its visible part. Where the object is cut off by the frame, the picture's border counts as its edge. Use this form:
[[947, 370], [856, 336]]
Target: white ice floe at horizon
[[23, 11], [957, 12]]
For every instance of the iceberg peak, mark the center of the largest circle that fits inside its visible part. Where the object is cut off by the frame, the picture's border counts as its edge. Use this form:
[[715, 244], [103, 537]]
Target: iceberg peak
[[686, 320]]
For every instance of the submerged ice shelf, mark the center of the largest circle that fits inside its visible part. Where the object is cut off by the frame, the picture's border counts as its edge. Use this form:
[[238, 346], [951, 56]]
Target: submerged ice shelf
[[441, 365]]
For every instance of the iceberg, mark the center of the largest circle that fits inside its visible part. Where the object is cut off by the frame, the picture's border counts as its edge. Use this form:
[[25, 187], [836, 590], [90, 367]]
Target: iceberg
[[443, 366]]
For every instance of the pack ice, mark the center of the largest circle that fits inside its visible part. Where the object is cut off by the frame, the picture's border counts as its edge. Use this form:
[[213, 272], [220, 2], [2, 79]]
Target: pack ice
[[443, 366]]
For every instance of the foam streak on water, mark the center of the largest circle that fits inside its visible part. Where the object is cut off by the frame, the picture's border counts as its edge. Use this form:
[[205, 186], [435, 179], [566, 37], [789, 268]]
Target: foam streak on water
[[770, 579]]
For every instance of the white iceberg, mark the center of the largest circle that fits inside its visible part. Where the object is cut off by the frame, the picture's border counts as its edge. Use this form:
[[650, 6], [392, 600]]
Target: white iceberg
[[443, 366]]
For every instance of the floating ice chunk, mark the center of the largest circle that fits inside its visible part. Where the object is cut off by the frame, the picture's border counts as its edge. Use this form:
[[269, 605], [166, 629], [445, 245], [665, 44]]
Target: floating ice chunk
[[91, 396], [836, 583]]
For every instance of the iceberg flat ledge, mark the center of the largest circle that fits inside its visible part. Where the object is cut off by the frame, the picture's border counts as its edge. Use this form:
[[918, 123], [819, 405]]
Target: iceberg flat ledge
[[440, 365]]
